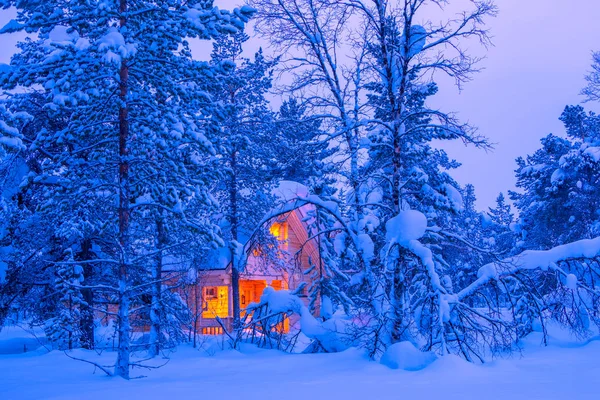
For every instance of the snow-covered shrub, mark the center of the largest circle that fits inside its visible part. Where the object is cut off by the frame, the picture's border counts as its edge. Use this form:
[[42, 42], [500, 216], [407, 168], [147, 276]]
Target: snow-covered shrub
[[268, 320]]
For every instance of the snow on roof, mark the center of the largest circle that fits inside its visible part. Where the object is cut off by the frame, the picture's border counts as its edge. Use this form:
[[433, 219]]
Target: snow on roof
[[286, 191], [289, 191], [220, 257]]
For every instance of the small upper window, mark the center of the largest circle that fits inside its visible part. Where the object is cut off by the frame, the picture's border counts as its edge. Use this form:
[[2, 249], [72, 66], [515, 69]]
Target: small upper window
[[280, 230]]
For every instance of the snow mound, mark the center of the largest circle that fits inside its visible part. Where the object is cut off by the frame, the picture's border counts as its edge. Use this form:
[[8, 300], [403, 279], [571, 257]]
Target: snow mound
[[16, 340], [452, 362], [404, 355], [406, 226]]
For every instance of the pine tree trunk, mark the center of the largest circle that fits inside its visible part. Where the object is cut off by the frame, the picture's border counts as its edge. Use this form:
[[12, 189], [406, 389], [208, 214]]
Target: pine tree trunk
[[155, 327], [70, 340], [123, 353], [86, 323], [235, 273], [196, 312]]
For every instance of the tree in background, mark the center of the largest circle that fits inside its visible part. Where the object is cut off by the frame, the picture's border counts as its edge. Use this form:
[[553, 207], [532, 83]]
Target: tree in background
[[560, 195], [592, 90], [501, 226]]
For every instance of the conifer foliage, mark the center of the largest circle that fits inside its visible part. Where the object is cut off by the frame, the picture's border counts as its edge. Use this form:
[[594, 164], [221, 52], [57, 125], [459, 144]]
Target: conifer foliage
[[135, 141]]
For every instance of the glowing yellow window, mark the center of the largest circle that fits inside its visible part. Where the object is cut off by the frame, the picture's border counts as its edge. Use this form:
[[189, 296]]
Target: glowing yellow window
[[216, 302], [280, 230]]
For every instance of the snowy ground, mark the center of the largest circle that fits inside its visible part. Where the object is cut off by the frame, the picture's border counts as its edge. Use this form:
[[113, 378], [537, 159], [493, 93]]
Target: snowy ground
[[561, 371]]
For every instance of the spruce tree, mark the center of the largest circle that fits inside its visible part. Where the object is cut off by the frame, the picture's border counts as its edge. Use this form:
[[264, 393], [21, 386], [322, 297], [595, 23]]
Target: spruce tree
[[135, 108], [245, 148], [560, 195]]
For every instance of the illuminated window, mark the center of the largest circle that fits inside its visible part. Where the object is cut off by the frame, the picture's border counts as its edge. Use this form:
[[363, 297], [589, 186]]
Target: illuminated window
[[279, 230], [216, 302], [212, 330]]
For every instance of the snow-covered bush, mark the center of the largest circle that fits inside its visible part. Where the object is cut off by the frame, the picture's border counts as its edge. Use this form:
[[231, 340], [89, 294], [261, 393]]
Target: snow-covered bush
[[268, 320]]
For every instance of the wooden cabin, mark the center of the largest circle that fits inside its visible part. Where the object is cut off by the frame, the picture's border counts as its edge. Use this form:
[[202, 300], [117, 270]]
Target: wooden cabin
[[211, 296]]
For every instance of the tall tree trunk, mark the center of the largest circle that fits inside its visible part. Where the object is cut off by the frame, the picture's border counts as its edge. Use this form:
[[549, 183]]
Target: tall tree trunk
[[233, 220], [122, 365], [197, 311], [86, 323], [395, 88], [155, 327]]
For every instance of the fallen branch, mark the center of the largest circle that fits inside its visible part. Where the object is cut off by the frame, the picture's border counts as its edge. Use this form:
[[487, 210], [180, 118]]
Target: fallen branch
[[100, 367]]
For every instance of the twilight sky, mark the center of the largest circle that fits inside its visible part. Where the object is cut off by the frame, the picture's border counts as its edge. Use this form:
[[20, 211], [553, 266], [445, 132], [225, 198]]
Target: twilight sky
[[541, 54]]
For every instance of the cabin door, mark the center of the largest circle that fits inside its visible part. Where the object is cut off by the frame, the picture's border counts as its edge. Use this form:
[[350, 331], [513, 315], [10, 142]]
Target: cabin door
[[250, 291]]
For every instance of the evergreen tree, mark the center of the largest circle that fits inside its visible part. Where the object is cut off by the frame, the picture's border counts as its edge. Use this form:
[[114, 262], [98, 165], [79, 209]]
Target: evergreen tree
[[135, 109], [301, 151], [502, 218], [245, 147], [559, 187], [63, 329], [501, 214], [470, 226]]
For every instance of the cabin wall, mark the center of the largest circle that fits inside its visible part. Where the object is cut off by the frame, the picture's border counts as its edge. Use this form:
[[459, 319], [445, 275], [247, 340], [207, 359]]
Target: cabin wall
[[304, 252]]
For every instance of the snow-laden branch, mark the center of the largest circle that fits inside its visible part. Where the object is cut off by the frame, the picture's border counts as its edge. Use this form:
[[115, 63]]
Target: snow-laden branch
[[533, 259]]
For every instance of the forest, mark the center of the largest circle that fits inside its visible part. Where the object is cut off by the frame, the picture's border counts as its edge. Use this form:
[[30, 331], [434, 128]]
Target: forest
[[127, 163]]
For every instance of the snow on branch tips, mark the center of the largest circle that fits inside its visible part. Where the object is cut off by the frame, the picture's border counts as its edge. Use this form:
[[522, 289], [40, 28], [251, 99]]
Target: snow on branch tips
[[535, 259]]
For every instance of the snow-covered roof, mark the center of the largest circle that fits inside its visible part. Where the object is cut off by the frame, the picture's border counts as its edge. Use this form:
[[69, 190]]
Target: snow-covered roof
[[220, 258]]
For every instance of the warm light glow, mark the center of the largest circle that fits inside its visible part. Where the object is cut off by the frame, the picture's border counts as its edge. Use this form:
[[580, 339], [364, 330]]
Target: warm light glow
[[250, 292], [215, 302], [280, 230], [212, 330]]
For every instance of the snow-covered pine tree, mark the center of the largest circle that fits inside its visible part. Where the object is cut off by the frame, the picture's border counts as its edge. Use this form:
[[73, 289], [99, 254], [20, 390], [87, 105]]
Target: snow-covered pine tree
[[501, 214], [559, 195], [135, 104], [558, 204], [501, 227], [63, 330], [473, 227], [29, 237], [245, 147], [11, 158], [301, 152]]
